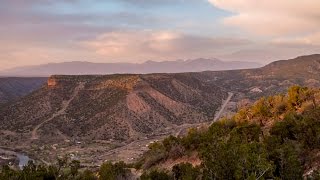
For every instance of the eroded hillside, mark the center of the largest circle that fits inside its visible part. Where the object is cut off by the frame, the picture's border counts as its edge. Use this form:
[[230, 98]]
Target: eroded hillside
[[272, 79], [96, 118], [106, 110], [275, 138]]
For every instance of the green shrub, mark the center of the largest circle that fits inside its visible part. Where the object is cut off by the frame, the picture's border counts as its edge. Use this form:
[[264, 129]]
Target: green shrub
[[109, 171], [156, 175]]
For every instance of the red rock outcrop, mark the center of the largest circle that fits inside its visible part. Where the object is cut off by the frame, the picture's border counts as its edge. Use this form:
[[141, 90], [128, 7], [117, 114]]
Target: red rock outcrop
[[52, 82]]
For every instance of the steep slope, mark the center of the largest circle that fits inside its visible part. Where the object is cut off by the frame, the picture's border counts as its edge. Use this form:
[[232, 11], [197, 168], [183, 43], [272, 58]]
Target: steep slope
[[271, 79], [12, 88], [78, 68], [276, 138], [235, 148], [110, 108]]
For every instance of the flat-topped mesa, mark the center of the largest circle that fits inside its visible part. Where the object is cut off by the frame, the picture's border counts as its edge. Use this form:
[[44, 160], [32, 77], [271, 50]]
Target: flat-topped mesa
[[125, 82], [96, 81], [56, 80]]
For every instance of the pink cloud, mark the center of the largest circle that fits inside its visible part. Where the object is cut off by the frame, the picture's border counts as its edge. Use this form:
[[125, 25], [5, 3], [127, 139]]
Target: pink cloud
[[159, 45], [272, 17]]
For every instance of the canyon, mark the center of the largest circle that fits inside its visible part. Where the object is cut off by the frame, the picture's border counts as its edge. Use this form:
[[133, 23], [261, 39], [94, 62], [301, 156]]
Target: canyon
[[115, 117]]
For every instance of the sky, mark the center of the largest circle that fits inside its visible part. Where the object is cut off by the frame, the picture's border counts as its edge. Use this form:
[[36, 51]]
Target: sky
[[47, 31]]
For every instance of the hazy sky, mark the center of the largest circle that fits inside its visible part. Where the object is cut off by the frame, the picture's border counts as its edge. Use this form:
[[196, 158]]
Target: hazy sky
[[42, 31]]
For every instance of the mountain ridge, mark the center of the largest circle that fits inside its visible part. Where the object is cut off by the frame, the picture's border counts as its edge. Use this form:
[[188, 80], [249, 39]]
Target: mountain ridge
[[84, 67], [109, 109]]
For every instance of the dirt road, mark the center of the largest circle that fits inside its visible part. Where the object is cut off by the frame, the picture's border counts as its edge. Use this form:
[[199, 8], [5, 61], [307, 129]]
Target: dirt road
[[218, 115], [64, 107]]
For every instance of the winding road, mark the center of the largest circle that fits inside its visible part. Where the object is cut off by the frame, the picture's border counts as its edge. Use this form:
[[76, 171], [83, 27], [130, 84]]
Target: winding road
[[64, 106]]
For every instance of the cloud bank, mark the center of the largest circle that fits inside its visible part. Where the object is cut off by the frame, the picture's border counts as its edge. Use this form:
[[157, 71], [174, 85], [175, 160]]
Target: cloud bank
[[289, 27], [273, 17], [159, 45], [43, 31]]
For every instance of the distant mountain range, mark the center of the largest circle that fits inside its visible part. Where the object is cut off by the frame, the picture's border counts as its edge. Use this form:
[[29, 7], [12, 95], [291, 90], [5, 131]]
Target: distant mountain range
[[80, 68]]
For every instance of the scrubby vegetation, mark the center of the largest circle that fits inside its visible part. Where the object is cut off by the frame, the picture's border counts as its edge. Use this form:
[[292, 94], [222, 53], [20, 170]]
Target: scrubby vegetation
[[276, 138], [66, 169]]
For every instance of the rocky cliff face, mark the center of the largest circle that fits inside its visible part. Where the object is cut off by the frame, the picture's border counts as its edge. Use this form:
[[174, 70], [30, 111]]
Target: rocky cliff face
[[52, 82]]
